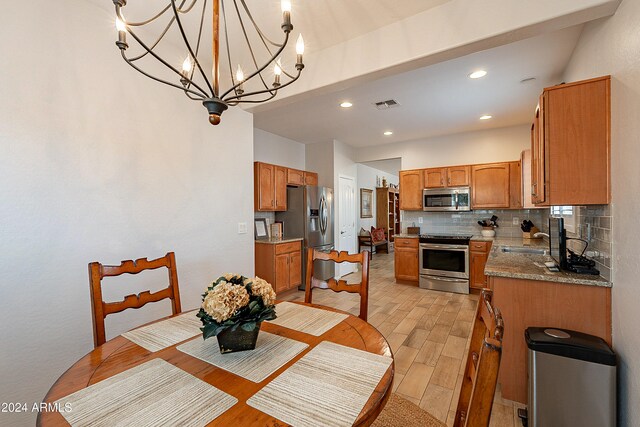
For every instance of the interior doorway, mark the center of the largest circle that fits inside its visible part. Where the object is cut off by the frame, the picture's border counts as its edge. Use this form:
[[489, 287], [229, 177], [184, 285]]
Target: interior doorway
[[346, 221]]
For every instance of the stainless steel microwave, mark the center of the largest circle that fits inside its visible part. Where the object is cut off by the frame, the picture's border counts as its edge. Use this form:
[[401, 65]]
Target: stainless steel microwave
[[446, 199]]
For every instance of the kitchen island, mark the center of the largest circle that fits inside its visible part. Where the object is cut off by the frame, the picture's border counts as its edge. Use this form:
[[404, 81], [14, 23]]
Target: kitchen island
[[528, 294]]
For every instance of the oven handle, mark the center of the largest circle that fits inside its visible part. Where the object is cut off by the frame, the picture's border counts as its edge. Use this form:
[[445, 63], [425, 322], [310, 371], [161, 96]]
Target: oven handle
[[446, 279], [454, 247]]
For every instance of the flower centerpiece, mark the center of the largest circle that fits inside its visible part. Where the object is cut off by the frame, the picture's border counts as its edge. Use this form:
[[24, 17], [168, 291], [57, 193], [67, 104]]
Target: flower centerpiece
[[233, 307]]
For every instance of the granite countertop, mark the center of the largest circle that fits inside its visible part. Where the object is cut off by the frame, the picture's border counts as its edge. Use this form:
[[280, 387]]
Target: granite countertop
[[406, 236], [283, 240], [531, 266], [513, 241]]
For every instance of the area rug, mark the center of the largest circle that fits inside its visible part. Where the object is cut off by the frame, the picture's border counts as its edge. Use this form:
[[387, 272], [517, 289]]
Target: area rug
[[399, 412]]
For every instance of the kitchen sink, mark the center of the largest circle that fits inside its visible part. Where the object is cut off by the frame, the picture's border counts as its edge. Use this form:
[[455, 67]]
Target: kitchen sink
[[521, 250]]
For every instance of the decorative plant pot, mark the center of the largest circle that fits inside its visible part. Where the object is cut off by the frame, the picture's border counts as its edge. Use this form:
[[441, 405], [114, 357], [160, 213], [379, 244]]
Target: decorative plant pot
[[238, 340], [488, 232]]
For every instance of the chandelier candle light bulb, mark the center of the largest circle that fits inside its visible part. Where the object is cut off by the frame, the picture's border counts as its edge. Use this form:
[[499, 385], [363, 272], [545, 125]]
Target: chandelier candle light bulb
[[299, 49], [121, 27], [248, 86], [277, 70]]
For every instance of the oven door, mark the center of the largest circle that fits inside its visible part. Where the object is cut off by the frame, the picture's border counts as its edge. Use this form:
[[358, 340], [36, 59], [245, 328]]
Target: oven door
[[444, 260]]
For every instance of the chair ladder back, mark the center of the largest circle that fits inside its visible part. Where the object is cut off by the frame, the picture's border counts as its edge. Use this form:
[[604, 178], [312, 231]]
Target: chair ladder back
[[101, 309], [361, 288], [483, 361]]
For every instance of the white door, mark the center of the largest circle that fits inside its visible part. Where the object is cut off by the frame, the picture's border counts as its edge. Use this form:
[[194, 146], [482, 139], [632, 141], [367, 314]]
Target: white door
[[346, 221]]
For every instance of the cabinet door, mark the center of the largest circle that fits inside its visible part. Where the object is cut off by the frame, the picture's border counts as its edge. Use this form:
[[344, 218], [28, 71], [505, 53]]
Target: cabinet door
[[490, 185], [406, 264], [477, 261], [310, 178], [458, 176], [282, 273], [515, 185], [434, 177], [295, 269], [264, 190], [539, 153], [280, 188], [295, 177], [411, 190]]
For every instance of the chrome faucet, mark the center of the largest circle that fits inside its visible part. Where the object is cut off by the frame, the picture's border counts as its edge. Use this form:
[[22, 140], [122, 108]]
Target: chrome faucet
[[540, 233]]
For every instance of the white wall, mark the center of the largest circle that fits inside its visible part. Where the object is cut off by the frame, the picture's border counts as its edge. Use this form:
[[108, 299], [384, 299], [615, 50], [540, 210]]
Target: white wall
[[319, 158], [367, 179], [493, 145], [271, 148], [100, 163], [612, 46]]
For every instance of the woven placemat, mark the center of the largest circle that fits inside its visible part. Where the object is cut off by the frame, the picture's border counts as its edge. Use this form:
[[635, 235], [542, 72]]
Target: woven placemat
[[271, 352], [305, 319], [160, 335], [329, 386], [155, 393]]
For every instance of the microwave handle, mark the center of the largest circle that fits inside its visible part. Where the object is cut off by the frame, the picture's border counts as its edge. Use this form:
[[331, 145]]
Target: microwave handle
[[456, 200]]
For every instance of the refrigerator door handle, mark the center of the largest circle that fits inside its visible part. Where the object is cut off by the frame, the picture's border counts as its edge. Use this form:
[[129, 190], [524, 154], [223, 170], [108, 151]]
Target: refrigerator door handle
[[323, 215]]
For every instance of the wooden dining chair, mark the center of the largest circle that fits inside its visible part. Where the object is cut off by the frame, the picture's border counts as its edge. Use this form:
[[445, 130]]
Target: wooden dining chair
[[102, 309], [478, 383], [361, 288]]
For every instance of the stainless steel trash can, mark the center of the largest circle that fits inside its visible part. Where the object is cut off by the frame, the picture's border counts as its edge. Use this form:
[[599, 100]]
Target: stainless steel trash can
[[572, 379]]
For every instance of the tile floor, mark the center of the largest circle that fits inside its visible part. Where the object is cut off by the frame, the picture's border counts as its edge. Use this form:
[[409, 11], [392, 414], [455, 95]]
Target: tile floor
[[428, 332]]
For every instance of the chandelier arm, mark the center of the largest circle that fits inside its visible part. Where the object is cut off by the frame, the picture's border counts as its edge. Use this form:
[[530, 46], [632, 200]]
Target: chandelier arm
[[188, 9], [255, 25], [141, 23], [257, 101], [165, 63], [200, 96], [142, 55], [259, 70], [195, 58], [226, 38], [246, 38], [272, 91], [204, 7]]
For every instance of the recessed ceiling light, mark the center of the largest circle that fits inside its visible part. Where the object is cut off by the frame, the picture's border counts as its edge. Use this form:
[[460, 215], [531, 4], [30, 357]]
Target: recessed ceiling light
[[477, 74], [485, 117], [387, 133], [346, 104]]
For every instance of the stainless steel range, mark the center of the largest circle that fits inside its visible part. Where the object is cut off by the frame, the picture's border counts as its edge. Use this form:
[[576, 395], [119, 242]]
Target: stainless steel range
[[444, 262]]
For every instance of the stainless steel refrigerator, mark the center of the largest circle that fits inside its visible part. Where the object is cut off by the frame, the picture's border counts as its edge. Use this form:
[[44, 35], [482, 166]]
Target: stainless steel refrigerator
[[310, 215]]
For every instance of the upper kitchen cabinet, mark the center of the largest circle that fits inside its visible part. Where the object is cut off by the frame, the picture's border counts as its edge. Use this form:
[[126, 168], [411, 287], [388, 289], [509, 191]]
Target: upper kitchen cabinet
[[411, 186], [454, 176], [515, 185], [435, 177], [270, 187], [458, 176], [310, 178], [490, 186], [295, 177], [571, 146]]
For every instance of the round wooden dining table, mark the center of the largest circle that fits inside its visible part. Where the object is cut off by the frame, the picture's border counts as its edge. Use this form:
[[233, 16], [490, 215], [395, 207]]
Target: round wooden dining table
[[119, 354]]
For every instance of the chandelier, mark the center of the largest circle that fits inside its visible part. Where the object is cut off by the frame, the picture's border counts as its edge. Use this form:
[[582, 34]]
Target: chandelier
[[191, 77]]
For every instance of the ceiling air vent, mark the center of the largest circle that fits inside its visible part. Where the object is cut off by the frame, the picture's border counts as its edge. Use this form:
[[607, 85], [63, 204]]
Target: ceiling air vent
[[385, 105]]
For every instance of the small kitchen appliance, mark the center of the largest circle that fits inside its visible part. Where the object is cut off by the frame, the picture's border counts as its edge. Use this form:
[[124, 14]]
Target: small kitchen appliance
[[446, 199]]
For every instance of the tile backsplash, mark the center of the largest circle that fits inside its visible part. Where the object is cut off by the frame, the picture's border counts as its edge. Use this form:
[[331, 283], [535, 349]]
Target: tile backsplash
[[467, 222], [594, 224]]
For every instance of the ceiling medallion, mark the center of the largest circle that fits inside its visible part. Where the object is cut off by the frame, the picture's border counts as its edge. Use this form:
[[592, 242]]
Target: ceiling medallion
[[191, 78]]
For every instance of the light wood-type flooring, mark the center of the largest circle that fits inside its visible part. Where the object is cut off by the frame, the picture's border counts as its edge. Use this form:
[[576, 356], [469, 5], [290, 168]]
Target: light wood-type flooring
[[428, 332]]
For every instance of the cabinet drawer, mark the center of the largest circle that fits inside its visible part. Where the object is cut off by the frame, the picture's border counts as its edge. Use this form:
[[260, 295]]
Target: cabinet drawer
[[405, 243], [477, 246], [284, 248]]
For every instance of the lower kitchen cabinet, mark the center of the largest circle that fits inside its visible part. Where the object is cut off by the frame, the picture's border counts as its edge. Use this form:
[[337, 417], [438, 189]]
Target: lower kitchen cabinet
[[406, 259], [279, 264], [478, 254]]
